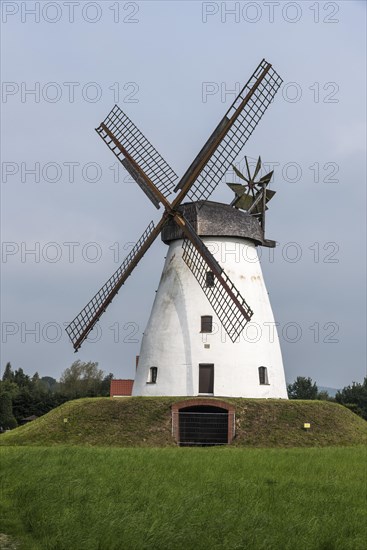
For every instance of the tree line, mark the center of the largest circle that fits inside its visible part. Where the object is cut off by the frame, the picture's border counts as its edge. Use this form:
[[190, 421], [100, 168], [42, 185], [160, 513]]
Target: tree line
[[22, 396], [354, 396]]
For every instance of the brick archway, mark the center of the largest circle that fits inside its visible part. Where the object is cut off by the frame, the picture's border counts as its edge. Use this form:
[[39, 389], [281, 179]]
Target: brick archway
[[203, 402]]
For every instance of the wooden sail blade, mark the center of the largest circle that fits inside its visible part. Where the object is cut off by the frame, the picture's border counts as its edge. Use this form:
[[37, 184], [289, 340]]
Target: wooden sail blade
[[233, 314], [266, 179], [237, 188], [230, 136], [269, 194], [230, 307], [257, 169], [117, 129], [238, 174], [84, 322], [248, 169], [244, 202], [134, 173], [255, 206]]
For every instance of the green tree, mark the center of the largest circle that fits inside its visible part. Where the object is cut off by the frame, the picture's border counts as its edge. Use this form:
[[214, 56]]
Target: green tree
[[32, 395], [105, 386], [8, 373], [23, 404], [354, 397], [21, 379], [81, 380], [9, 387], [7, 419], [302, 388], [324, 396], [49, 383]]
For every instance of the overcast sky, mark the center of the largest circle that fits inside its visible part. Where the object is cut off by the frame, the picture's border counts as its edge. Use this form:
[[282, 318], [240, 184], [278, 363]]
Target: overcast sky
[[173, 68]]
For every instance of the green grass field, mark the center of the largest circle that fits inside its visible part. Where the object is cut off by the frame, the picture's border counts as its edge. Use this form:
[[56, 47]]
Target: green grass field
[[80, 498], [112, 478]]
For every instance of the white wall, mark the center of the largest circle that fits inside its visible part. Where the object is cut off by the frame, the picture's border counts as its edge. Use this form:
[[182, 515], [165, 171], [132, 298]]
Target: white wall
[[172, 340]]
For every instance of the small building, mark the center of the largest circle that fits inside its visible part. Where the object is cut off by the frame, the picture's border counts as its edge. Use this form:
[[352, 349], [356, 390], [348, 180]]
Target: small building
[[121, 388]]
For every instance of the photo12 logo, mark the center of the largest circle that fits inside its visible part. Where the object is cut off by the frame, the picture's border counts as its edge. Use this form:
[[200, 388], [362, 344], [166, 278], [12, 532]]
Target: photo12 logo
[[69, 12], [270, 12], [292, 171], [68, 92], [68, 171], [52, 332], [292, 92], [290, 332], [67, 252]]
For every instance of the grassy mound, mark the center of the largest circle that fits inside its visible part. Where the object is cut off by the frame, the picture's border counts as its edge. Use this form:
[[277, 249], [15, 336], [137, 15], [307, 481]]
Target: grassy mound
[[146, 422]]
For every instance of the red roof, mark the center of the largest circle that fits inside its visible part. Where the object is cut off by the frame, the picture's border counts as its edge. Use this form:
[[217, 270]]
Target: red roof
[[121, 387]]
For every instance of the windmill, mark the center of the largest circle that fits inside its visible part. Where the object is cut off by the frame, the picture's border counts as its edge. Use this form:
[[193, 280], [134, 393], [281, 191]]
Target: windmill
[[179, 226]]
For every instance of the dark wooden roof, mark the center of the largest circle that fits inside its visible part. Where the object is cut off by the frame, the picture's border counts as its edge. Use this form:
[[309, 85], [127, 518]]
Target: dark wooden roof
[[214, 219]]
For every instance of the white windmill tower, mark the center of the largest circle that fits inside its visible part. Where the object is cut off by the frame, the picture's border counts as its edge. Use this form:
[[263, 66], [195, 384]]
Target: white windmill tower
[[199, 339]]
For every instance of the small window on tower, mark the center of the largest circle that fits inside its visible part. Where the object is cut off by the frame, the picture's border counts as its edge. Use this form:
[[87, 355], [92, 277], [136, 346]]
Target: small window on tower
[[263, 376], [209, 279], [153, 375], [206, 323]]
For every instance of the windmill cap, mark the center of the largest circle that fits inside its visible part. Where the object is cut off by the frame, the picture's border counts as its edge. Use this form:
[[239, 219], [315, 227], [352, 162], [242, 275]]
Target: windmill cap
[[215, 219]]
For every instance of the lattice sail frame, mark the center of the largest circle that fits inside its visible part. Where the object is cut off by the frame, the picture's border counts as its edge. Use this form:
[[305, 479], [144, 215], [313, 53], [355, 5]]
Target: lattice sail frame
[[227, 311], [84, 322], [139, 148], [238, 134]]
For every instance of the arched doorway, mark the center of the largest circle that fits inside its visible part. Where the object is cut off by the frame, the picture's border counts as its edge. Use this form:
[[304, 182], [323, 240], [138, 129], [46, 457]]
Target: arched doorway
[[203, 422]]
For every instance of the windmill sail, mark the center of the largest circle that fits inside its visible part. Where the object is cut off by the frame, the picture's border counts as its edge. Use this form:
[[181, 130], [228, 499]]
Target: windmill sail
[[138, 147], [156, 178], [230, 307], [129, 167], [84, 322], [230, 136]]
